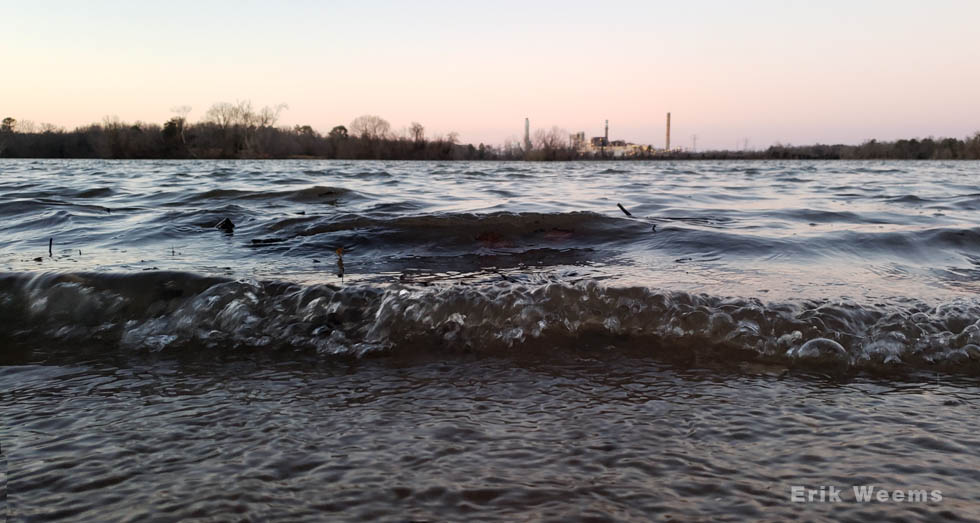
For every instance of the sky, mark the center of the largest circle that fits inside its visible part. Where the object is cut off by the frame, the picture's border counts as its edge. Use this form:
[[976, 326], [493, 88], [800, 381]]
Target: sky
[[767, 72]]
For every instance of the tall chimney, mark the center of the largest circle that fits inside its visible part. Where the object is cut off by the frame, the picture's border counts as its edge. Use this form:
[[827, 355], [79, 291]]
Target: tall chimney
[[607, 132], [527, 134], [667, 148]]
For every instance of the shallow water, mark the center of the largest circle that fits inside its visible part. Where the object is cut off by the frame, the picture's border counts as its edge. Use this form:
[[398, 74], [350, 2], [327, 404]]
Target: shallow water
[[572, 438], [493, 340]]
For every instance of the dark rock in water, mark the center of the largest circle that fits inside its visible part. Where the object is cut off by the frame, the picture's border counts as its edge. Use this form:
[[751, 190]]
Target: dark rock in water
[[226, 225]]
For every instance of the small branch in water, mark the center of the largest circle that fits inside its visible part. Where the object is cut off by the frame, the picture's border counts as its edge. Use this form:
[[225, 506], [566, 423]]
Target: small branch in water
[[340, 263], [627, 213], [50, 247]]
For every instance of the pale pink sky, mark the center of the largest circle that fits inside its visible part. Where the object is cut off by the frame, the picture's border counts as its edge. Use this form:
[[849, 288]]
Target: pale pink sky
[[789, 71]]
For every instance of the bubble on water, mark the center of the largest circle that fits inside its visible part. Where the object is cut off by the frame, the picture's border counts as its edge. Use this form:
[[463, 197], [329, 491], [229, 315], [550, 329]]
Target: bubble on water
[[821, 349]]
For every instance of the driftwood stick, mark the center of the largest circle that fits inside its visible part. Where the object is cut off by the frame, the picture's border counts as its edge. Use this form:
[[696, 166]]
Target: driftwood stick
[[627, 213], [50, 247]]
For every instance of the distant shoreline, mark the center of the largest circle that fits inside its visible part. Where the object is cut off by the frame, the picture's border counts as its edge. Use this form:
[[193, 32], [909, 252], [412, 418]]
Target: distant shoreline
[[750, 156], [251, 136], [658, 159]]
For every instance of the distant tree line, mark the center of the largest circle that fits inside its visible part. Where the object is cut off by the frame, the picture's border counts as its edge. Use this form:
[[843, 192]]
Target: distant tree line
[[233, 130], [912, 149], [237, 130]]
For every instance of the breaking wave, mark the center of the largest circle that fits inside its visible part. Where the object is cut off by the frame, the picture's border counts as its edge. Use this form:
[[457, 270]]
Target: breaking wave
[[164, 311]]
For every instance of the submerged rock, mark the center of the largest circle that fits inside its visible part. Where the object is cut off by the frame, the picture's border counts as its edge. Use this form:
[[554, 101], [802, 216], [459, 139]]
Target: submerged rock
[[226, 225]]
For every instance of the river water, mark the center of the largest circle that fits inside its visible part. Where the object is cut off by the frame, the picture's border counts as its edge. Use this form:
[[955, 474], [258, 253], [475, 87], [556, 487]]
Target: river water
[[446, 341]]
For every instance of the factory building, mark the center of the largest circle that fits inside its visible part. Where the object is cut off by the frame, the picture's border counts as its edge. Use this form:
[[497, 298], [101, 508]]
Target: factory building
[[602, 146]]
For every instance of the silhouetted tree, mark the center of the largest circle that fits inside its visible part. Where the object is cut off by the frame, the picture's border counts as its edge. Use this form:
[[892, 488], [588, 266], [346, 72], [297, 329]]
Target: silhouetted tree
[[370, 127], [268, 116], [417, 132], [551, 144], [181, 121]]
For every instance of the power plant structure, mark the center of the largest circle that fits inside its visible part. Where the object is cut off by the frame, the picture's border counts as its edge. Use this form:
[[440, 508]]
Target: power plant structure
[[602, 146], [527, 134]]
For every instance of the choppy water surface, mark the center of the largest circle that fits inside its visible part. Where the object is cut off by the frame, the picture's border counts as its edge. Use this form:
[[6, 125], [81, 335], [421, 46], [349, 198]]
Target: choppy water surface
[[487, 340]]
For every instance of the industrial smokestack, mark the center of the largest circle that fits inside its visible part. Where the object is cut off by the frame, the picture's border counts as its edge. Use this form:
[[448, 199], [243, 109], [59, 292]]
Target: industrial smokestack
[[607, 132], [667, 148], [527, 134]]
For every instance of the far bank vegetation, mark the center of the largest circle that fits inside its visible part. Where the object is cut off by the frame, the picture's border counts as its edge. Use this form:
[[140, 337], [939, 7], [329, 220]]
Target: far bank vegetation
[[239, 130]]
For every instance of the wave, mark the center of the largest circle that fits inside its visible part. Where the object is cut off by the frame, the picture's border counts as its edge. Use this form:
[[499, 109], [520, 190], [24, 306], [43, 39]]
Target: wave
[[879, 170], [908, 198], [16, 207], [316, 194], [464, 232], [390, 229], [164, 311], [967, 202]]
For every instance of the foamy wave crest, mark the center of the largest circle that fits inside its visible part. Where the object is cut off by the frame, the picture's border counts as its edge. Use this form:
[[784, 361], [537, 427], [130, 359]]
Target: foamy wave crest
[[169, 311]]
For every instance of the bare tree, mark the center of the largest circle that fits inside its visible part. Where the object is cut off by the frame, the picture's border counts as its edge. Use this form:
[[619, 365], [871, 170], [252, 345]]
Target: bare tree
[[268, 116], [180, 121], [222, 114], [181, 111], [370, 127], [551, 144], [512, 148], [551, 139], [246, 116], [241, 113], [111, 123], [417, 132], [26, 126]]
